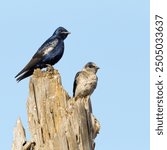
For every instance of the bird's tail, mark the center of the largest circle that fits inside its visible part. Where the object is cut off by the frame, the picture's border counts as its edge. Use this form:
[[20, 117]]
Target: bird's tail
[[24, 75]]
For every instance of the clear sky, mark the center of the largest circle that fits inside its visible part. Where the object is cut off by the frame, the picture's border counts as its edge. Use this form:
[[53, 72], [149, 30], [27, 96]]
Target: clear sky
[[112, 33]]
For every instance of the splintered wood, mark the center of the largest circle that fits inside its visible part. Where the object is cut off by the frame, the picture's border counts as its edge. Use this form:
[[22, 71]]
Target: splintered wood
[[56, 121]]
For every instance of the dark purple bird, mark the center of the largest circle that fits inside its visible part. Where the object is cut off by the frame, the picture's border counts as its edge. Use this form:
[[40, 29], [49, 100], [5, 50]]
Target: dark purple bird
[[49, 53]]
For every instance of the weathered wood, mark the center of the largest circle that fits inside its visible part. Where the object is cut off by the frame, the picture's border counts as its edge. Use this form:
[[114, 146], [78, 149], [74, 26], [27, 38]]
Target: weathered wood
[[19, 136], [56, 121]]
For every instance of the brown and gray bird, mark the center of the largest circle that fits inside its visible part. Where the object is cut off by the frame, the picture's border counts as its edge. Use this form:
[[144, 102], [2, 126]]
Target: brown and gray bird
[[85, 81]]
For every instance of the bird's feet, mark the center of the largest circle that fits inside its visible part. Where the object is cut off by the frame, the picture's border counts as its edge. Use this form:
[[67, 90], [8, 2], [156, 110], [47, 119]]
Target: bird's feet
[[49, 68]]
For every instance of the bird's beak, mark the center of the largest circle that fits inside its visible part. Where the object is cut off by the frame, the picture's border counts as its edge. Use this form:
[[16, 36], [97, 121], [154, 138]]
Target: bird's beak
[[98, 68], [66, 32]]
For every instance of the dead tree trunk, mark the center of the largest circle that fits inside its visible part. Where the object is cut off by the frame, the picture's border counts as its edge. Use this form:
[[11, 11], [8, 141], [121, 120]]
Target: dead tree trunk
[[56, 121]]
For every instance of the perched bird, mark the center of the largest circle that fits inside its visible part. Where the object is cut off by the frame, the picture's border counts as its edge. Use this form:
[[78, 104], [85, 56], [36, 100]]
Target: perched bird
[[48, 54], [85, 81]]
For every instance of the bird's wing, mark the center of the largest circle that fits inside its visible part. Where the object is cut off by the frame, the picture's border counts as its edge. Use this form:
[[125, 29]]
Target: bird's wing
[[75, 82], [47, 45], [24, 75], [31, 64], [38, 56]]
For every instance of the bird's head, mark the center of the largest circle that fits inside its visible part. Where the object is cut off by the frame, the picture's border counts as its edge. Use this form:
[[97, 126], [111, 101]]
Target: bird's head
[[92, 67], [61, 32]]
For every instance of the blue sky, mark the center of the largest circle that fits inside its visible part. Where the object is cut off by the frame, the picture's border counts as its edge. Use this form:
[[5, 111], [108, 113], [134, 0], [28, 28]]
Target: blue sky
[[113, 34]]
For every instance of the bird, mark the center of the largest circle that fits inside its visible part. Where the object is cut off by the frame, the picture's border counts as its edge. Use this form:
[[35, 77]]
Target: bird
[[85, 80], [50, 52]]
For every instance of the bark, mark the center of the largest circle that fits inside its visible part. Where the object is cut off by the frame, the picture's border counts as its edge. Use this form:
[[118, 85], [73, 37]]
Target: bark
[[56, 121]]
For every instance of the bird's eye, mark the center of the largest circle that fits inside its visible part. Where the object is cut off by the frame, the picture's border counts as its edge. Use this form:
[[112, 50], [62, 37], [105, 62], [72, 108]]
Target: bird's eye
[[91, 66]]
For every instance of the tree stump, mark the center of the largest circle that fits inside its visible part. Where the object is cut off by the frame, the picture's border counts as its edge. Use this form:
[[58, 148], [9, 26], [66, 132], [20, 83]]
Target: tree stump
[[56, 121]]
